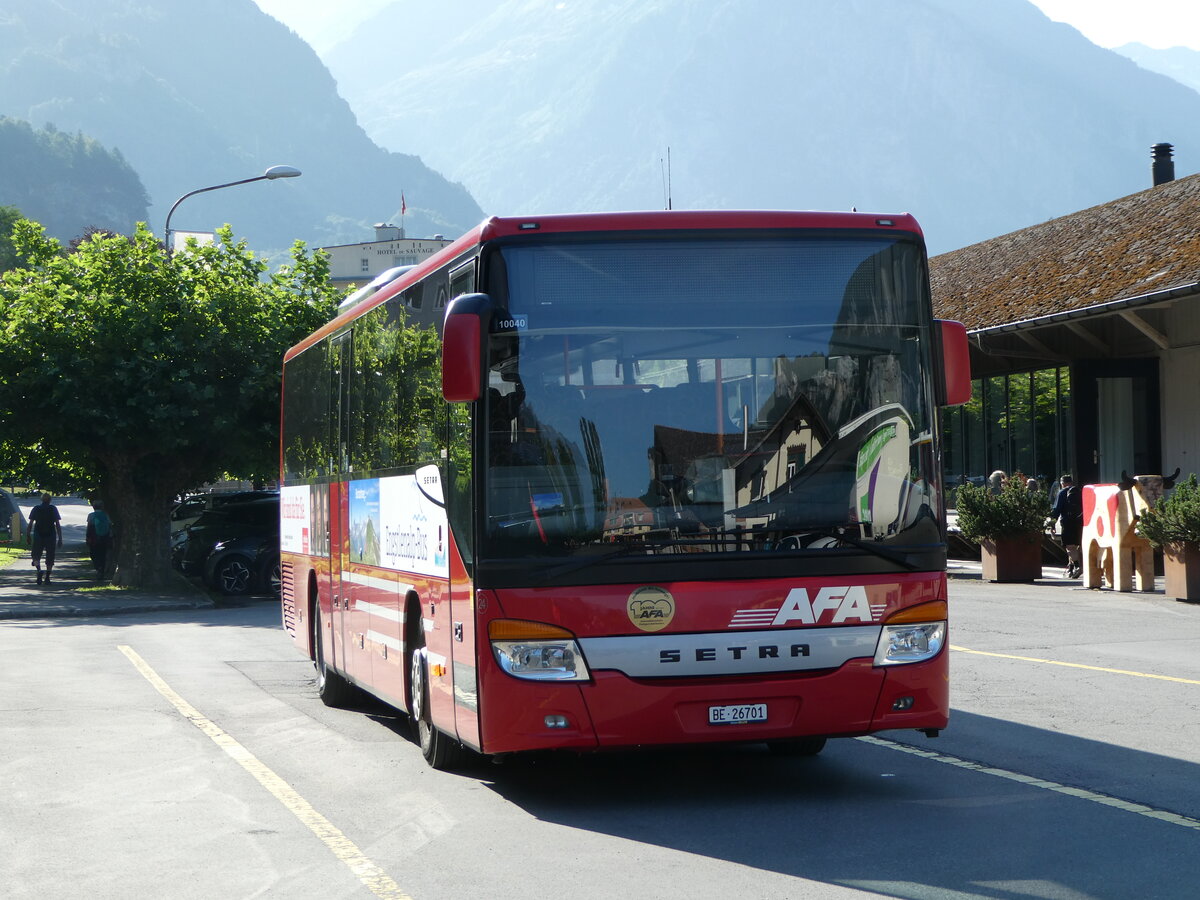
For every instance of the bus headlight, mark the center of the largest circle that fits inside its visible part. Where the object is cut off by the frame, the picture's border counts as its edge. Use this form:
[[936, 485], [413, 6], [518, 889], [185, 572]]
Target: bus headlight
[[912, 635], [537, 651], [899, 644]]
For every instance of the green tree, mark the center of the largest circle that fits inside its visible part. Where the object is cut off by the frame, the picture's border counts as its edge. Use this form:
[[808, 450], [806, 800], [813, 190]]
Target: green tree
[[9, 216], [155, 372]]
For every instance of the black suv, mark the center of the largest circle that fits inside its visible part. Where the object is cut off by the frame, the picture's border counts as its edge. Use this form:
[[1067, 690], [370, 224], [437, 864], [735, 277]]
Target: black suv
[[234, 547], [190, 509]]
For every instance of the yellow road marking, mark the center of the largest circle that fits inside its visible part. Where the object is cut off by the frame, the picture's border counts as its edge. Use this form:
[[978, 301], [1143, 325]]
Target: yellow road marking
[[1070, 665], [1140, 809], [378, 881]]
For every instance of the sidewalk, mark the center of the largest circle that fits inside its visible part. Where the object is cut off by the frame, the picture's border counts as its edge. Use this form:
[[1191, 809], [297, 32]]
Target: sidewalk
[[75, 591], [1053, 579]]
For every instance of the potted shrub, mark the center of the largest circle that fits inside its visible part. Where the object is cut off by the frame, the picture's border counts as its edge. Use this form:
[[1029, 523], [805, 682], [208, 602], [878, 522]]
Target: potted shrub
[[1008, 526], [1173, 526]]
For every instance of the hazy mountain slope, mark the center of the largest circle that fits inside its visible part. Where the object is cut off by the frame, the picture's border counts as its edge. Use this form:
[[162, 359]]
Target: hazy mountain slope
[[980, 118], [67, 182], [196, 94], [1180, 63]]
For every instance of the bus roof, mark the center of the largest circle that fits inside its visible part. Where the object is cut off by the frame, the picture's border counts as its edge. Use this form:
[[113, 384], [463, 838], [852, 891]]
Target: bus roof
[[680, 220], [646, 220]]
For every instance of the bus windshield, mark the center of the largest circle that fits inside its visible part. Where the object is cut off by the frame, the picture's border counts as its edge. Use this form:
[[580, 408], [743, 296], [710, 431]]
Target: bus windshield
[[708, 395]]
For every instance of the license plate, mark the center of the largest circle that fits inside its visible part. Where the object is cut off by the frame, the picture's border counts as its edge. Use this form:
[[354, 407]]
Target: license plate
[[740, 714]]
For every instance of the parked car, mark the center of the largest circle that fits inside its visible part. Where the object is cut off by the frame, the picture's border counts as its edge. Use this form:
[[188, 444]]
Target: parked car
[[190, 508], [240, 535], [245, 565]]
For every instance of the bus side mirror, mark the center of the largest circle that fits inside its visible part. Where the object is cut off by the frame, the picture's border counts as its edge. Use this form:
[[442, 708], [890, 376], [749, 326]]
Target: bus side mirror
[[462, 347], [956, 363]]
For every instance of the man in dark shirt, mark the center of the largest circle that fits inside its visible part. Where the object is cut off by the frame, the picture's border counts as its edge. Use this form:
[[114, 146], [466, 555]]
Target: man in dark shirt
[[1068, 508], [44, 527]]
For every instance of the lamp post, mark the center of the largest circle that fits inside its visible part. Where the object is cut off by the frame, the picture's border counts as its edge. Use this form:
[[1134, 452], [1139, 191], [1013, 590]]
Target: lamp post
[[270, 175]]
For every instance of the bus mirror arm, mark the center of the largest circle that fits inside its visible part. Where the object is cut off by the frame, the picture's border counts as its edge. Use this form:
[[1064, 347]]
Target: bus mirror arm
[[468, 320], [955, 384]]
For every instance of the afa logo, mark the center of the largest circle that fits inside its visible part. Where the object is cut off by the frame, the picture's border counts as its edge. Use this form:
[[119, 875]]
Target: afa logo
[[651, 608], [830, 606]]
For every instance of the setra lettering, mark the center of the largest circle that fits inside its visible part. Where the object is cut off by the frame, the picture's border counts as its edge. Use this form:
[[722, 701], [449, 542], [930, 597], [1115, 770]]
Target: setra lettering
[[716, 654]]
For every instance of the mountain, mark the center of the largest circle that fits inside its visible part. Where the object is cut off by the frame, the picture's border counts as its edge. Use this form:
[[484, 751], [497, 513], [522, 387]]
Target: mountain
[[979, 118], [67, 182], [200, 94], [1180, 63]]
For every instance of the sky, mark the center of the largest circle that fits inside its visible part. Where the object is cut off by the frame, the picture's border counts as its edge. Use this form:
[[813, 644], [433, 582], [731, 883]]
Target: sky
[[1108, 23]]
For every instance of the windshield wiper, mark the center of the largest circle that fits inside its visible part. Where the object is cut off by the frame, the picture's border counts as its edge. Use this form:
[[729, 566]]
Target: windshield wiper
[[642, 548], [900, 558]]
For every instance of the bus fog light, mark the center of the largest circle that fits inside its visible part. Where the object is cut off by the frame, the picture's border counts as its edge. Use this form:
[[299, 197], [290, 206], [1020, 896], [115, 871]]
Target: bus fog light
[[541, 660], [556, 721], [902, 704], [909, 643]]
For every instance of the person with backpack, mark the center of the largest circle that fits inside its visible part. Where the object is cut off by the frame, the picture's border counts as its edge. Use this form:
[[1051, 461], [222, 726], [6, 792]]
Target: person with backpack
[[99, 536], [44, 525], [1068, 508]]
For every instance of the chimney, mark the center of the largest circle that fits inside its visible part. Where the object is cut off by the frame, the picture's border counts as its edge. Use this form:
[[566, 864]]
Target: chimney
[[1163, 169]]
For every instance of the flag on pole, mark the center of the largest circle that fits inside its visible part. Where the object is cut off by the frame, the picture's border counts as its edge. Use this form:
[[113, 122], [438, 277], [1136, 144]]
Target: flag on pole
[[403, 205]]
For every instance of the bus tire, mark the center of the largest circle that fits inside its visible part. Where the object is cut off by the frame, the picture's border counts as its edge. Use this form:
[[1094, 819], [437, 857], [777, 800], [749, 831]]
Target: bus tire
[[807, 746], [440, 750], [332, 688]]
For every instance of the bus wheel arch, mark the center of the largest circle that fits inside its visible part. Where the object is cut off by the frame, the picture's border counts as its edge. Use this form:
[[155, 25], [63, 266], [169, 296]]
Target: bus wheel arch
[[333, 689], [313, 611], [442, 751]]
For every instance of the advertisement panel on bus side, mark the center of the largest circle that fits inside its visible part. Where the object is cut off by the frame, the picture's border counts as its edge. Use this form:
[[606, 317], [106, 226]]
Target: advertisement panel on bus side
[[396, 522]]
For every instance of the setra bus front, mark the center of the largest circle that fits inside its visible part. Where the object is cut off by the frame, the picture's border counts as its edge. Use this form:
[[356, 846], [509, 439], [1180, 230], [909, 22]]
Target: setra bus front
[[707, 482]]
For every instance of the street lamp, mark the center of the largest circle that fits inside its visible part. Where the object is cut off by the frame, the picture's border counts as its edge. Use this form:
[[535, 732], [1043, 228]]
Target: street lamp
[[270, 175]]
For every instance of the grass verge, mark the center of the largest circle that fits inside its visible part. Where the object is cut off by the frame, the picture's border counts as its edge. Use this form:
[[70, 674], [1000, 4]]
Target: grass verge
[[9, 554]]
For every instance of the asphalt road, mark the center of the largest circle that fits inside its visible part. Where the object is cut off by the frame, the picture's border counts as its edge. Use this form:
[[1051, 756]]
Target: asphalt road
[[186, 754]]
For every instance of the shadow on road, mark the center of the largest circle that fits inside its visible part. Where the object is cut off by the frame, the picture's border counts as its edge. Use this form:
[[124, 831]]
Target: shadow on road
[[873, 818]]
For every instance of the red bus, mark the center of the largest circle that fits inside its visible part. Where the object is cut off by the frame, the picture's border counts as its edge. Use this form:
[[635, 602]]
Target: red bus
[[612, 480]]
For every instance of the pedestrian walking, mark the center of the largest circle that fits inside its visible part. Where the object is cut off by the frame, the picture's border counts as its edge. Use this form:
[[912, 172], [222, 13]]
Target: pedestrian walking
[[99, 536], [44, 527], [1068, 508]]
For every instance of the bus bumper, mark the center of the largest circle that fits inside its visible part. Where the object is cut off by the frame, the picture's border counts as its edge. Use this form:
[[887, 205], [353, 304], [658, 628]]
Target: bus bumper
[[614, 711]]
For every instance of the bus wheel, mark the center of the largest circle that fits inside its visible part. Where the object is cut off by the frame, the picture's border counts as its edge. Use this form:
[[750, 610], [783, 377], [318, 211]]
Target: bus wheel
[[332, 688], [439, 749], [809, 746]]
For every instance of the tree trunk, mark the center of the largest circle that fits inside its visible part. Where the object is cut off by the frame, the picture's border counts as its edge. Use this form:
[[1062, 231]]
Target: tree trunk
[[139, 494]]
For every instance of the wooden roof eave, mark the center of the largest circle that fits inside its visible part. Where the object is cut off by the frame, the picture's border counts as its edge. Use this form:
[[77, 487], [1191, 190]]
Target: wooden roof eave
[[1059, 338], [1164, 297]]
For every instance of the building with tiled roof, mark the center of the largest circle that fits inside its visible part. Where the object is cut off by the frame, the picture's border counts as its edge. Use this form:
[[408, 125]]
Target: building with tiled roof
[[1085, 338]]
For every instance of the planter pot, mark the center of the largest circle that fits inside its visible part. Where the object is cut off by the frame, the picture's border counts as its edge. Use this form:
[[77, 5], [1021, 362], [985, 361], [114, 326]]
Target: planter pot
[[1012, 559], [1181, 566]]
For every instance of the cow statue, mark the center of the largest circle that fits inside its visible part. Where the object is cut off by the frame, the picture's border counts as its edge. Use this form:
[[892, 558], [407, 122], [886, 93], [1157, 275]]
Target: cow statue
[[1111, 544]]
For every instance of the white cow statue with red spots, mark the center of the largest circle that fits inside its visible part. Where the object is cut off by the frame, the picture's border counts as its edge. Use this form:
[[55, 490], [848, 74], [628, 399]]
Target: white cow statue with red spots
[[1111, 545]]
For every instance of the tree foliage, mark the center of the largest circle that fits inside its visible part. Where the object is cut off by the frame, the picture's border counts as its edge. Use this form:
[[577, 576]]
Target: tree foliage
[[1175, 519], [1013, 512], [9, 216], [156, 372]]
